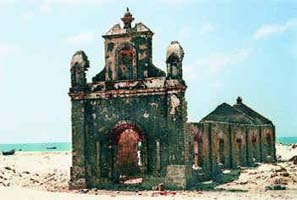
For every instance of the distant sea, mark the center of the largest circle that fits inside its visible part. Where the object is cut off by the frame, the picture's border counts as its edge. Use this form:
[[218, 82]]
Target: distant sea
[[66, 146], [287, 140], [41, 147]]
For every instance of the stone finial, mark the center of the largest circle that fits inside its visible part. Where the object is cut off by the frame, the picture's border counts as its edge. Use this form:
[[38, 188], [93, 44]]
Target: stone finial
[[174, 58], [79, 66], [239, 100], [127, 19], [175, 49], [80, 58]]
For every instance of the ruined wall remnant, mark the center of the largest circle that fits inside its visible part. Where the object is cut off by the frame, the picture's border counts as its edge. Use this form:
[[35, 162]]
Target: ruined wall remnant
[[79, 66], [131, 120], [231, 137]]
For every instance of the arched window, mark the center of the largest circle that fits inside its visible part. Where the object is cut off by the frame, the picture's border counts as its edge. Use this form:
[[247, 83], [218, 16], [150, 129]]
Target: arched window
[[269, 143], [126, 62], [197, 148], [221, 150], [268, 137], [254, 147], [254, 138], [239, 150]]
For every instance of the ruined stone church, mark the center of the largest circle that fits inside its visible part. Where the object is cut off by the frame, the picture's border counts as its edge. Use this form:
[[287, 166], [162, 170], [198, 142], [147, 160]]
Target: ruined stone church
[[131, 120]]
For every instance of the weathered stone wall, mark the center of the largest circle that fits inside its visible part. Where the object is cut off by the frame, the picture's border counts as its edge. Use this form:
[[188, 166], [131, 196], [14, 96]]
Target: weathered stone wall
[[143, 98], [221, 153], [168, 143], [239, 146], [267, 143], [78, 145], [226, 145], [106, 114], [159, 117], [200, 134], [254, 145], [176, 176]]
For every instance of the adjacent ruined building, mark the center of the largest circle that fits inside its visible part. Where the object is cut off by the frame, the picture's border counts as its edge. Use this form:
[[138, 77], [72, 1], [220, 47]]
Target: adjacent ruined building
[[231, 137], [131, 120]]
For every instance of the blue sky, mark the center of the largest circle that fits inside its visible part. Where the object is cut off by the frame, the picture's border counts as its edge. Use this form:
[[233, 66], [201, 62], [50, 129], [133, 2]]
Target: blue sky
[[233, 48]]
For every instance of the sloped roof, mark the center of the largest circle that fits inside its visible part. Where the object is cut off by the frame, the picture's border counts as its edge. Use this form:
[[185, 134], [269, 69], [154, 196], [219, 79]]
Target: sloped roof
[[140, 27], [257, 118], [226, 113], [117, 29]]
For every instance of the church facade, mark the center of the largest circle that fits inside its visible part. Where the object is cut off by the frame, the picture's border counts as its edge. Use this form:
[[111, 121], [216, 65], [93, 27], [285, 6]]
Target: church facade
[[131, 120]]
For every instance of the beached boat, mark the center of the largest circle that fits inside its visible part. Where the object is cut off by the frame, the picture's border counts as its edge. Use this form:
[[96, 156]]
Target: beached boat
[[7, 153], [51, 148]]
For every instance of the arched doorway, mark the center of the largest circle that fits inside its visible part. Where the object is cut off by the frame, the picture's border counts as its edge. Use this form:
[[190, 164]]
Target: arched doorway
[[128, 159], [128, 147]]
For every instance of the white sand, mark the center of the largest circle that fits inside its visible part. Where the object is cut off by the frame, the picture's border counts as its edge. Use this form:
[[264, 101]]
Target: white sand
[[44, 171], [14, 193], [285, 152], [44, 176]]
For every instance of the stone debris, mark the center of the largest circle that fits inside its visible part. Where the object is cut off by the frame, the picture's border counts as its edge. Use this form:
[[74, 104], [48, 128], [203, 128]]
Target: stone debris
[[7, 168], [294, 160], [163, 193], [276, 187], [278, 176], [133, 181], [84, 191]]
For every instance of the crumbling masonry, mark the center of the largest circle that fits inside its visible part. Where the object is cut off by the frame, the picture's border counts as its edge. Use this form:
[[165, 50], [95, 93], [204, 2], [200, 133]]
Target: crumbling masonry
[[131, 120]]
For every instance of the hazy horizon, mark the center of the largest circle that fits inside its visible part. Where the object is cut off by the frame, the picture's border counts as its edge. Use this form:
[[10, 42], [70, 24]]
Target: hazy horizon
[[232, 48]]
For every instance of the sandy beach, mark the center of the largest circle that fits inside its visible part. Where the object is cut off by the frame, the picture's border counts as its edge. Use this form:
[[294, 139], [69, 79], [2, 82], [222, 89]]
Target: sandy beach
[[44, 176]]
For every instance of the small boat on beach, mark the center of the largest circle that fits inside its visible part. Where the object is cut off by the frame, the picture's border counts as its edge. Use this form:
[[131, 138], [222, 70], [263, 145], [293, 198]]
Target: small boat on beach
[[8, 153], [51, 148]]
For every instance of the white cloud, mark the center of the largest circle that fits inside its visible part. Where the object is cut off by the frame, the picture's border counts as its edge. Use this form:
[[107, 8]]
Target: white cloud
[[84, 38], [271, 29], [219, 61]]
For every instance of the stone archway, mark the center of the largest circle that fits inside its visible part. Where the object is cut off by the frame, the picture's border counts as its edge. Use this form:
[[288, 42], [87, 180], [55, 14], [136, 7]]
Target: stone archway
[[128, 151], [127, 156]]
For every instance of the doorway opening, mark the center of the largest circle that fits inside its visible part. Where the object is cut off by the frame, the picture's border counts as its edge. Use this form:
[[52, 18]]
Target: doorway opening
[[128, 157]]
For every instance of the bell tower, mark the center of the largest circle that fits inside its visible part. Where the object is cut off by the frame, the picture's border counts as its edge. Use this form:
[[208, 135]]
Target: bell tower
[[128, 51]]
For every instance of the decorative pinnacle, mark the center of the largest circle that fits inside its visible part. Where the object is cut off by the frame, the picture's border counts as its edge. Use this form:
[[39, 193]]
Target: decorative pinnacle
[[239, 100], [127, 19]]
